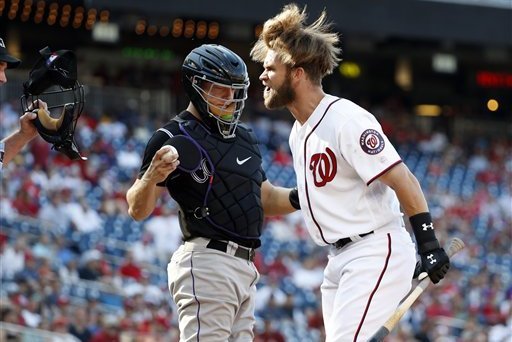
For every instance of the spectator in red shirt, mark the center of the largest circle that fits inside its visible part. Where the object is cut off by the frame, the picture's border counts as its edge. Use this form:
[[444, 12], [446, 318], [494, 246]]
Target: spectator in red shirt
[[109, 332], [269, 334], [130, 268], [282, 156], [25, 204], [438, 309]]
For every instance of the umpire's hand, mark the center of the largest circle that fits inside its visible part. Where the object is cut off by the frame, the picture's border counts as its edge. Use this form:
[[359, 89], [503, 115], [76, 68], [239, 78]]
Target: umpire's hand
[[27, 128], [436, 263]]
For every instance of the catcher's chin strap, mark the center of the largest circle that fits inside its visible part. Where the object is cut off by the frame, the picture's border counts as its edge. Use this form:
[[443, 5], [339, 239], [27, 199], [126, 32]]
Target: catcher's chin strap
[[59, 132]]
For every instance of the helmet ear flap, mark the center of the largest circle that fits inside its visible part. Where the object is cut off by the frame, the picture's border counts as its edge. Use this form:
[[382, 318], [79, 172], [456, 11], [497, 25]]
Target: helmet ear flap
[[53, 130], [59, 132], [46, 122]]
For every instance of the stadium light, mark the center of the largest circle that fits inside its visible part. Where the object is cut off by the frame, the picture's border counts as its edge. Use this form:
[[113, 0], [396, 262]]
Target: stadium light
[[444, 63], [177, 27], [79, 17], [403, 74], [152, 30], [27, 8], [105, 32], [104, 16], [349, 69], [213, 30], [202, 29], [190, 27], [140, 27], [428, 110], [164, 31], [493, 105]]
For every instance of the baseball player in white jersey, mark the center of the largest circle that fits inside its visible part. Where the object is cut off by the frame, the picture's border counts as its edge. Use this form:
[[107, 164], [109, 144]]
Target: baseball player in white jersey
[[351, 182]]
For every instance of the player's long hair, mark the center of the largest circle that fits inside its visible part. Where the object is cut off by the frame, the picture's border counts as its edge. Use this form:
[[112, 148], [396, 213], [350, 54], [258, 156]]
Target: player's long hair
[[311, 47]]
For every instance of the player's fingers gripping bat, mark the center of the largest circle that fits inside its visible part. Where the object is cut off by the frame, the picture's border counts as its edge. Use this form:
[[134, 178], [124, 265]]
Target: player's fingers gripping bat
[[456, 246], [189, 152]]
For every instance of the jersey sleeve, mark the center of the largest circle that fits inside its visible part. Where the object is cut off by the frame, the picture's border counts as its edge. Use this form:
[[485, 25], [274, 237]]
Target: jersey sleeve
[[156, 141], [366, 148]]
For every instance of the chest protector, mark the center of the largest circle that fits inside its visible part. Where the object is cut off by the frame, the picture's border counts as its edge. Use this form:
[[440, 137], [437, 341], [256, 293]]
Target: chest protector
[[222, 198]]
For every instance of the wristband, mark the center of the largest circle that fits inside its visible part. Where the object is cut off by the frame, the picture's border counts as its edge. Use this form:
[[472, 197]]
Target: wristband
[[423, 229], [294, 198]]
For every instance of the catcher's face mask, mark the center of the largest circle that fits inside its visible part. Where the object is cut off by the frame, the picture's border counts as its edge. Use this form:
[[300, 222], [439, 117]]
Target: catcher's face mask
[[53, 79]]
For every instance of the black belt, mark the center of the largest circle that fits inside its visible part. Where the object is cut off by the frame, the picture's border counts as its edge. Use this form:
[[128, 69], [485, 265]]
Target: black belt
[[343, 242], [241, 252]]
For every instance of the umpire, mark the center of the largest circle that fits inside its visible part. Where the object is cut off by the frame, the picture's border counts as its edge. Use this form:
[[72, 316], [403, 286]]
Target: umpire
[[212, 167], [12, 144]]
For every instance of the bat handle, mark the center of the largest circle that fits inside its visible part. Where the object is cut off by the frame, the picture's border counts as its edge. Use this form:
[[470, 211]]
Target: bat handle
[[379, 335], [456, 245]]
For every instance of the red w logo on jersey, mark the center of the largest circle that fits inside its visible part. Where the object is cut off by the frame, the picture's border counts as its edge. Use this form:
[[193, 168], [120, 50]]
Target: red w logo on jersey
[[323, 166]]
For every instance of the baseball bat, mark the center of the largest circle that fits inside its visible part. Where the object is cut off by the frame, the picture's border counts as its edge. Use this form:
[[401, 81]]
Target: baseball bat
[[456, 245]]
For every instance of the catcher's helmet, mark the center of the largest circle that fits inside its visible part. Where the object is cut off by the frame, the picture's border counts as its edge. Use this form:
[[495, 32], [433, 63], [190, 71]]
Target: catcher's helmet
[[53, 79], [214, 65]]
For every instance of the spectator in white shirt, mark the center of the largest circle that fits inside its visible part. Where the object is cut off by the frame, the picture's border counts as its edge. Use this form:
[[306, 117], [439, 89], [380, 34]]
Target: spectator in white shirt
[[143, 250], [12, 258], [53, 211], [166, 232], [83, 217]]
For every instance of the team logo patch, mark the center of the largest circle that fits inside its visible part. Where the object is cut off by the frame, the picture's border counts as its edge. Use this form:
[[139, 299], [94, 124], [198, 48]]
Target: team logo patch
[[371, 142], [323, 167], [202, 174], [51, 59]]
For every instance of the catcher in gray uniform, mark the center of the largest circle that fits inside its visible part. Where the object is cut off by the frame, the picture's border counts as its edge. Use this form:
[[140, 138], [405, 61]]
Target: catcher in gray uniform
[[211, 166]]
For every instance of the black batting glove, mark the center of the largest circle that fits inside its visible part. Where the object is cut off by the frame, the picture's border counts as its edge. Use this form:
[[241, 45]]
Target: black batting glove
[[417, 270], [434, 259], [436, 263]]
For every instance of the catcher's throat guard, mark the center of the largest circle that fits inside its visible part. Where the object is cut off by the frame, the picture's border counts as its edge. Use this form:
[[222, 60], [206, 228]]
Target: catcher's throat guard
[[53, 79]]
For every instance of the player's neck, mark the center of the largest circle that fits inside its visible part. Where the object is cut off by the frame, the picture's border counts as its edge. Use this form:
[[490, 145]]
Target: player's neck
[[305, 103], [192, 110]]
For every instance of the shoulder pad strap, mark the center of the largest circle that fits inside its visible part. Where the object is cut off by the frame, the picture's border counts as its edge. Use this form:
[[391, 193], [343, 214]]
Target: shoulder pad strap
[[247, 134], [177, 119]]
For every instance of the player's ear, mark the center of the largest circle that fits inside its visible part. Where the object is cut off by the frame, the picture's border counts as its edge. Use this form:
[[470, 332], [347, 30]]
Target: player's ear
[[298, 73]]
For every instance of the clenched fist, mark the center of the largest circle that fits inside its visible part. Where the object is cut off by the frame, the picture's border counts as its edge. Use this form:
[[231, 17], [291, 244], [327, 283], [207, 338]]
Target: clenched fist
[[164, 162], [436, 263]]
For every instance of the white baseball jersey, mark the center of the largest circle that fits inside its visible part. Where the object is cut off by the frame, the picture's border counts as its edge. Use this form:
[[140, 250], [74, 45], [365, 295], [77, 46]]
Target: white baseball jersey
[[337, 154]]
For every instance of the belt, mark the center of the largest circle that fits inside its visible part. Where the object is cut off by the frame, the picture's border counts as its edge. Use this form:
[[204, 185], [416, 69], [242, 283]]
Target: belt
[[241, 252], [343, 242]]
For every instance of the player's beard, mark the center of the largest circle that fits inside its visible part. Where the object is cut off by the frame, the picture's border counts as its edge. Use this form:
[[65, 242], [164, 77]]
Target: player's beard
[[280, 97]]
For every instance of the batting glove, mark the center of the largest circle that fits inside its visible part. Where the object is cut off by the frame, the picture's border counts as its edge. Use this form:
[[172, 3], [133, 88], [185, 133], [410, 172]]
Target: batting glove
[[434, 259], [436, 263]]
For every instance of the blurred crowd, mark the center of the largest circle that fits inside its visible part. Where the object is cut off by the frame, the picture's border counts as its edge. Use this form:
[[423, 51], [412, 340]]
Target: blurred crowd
[[72, 262]]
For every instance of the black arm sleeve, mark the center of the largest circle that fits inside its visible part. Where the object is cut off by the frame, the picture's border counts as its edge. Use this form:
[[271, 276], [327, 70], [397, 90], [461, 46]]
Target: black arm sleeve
[[156, 141]]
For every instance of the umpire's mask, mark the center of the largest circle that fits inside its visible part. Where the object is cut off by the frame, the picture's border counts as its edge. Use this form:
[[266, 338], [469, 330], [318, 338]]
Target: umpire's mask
[[53, 79]]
